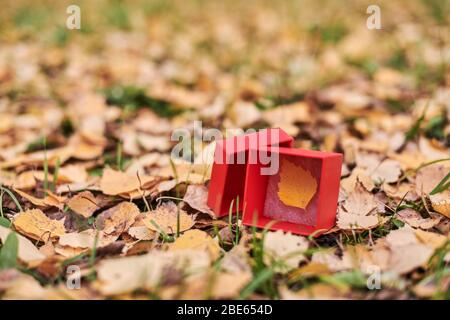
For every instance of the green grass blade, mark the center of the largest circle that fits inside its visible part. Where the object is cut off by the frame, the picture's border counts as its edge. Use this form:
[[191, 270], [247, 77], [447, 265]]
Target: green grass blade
[[9, 252]]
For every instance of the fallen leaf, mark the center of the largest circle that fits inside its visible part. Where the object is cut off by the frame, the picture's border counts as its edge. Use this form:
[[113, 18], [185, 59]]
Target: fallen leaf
[[28, 253], [167, 217], [83, 203], [415, 220], [118, 219], [126, 274], [141, 233], [36, 225], [358, 174], [196, 197], [297, 186], [50, 200], [284, 249], [116, 182], [358, 210], [22, 287], [72, 173], [388, 171], [197, 240], [85, 239]]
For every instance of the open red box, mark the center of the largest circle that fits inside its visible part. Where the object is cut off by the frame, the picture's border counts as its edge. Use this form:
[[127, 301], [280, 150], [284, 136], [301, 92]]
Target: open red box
[[300, 196], [230, 165]]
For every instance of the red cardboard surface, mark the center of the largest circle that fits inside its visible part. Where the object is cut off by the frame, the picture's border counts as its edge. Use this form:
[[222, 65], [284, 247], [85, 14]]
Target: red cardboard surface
[[230, 166], [320, 214]]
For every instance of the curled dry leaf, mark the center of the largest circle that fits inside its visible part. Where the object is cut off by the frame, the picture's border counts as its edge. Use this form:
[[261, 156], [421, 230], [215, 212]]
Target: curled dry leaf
[[426, 180], [50, 200], [196, 197], [388, 171], [358, 174], [72, 173], [168, 217], [27, 253], [197, 240], [118, 219], [116, 182], [415, 220], [36, 225], [142, 233], [24, 181], [83, 203], [285, 249]]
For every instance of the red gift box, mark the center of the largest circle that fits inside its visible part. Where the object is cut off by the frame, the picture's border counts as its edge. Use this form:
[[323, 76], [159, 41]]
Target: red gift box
[[299, 196], [230, 165]]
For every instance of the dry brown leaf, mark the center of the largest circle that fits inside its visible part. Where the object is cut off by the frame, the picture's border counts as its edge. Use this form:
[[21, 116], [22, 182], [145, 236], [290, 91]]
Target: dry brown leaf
[[284, 248], [236, 261], [358, 210], [431, 239], [358, 174], [196, 197], [27, 253], [72, 173], [22, 286], [443, 207], [415, 220], [24, 181], [36, 225], [69, 252], [83, 203], [86, 239], [428, 177], [118, 219], [405, 190], [166, 218], [122, 275], [407, 253], [142, 233], [388, 171], [197, 240], [50, 200], [116, 182], [152, 143]]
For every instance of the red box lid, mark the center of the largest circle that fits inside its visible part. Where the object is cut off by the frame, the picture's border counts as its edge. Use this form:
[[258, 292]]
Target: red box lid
[[230, 165]]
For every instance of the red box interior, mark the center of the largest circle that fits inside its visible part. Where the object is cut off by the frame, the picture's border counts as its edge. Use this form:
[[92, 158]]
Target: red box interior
[[228, 179], [320, 213]]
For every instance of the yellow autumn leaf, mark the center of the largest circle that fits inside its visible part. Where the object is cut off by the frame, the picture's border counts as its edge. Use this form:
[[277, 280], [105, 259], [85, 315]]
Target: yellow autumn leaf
[[197, 240], [297, 186], [443, 208], [36, 225]]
